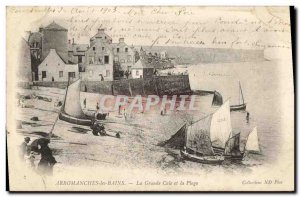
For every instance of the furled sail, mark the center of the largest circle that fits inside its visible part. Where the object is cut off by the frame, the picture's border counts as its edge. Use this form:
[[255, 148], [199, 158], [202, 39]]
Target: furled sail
[[217, 99], [220, 129], [233, 146], [177, 141], [197, 137], [72, 104], [252, 141]]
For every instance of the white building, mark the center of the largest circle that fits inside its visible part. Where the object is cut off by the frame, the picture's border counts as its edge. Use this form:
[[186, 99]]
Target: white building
[[142, 70], [53, 68]]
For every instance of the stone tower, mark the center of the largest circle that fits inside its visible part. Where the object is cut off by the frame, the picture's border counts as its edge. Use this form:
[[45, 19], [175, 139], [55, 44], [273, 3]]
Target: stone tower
[[55, 37]]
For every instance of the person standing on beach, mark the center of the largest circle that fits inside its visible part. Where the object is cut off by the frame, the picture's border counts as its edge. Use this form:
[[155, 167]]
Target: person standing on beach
[[97, 106], [47, 161], [84, 102], [25, 148]]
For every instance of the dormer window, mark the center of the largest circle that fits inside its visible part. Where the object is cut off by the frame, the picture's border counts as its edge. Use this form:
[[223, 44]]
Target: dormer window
[[118, 50], [94, 48], [126, 50], [103, 48]]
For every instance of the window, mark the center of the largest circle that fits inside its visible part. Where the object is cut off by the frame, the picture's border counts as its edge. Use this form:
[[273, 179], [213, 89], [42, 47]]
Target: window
[[122, 61], [118, 50], [100, 61], [94, 48], [129, 58], [107, 73], [44, 75], [137, 73], [126, 50], [116, 58], [79, 59], [106, 59], [91, 60], [103, 48], [61, 74], [71, 74]]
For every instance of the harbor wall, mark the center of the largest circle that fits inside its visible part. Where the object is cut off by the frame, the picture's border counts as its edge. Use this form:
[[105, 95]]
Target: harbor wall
[[158, 85]]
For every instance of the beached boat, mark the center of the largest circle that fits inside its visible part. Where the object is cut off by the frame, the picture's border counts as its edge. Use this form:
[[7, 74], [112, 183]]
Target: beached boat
[[204, 140], [71, 110], [242, 105]]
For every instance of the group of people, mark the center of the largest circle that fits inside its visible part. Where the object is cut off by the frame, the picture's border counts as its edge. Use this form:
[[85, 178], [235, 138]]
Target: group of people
[[38, 147]]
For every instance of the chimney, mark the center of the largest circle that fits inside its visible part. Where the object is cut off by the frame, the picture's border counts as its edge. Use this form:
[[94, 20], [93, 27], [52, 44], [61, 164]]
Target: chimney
[[41, 29], [121, 40], [100, 30]]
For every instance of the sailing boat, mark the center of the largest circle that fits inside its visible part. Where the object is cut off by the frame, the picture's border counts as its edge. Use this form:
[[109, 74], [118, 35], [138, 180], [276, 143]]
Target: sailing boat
[[252, 144], [205, 139], [71, 110], [232, 149], [242, 104]]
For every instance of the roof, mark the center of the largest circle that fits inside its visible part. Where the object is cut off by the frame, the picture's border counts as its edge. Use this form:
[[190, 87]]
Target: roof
[[54, 56], [78, 47], [55, 26], [35, 37], [101, 34], [142, 64]]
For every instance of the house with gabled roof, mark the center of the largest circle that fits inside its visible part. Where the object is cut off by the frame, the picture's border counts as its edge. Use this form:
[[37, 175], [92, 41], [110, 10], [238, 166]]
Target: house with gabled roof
[[54, 68], [99, 58], [142, 69]]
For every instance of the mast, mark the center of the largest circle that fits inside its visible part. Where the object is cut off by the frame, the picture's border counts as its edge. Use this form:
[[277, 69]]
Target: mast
[[61, 109], [241, 91]]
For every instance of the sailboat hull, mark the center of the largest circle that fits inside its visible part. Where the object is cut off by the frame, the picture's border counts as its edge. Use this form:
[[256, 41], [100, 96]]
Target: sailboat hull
[[241, 107], [235, 158], [73, 120], [203, 159]]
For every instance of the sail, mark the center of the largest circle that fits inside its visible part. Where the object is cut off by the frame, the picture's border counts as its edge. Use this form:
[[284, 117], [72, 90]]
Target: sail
[[197, 137], [217, 99], [72, 104], [220, 129], [252, 141], [177, 141], [233, 146]]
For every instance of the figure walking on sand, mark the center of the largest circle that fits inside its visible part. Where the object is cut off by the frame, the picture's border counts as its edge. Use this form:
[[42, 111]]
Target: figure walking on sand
[[84, 103], [248, 117], [47, 161], [25, 148]]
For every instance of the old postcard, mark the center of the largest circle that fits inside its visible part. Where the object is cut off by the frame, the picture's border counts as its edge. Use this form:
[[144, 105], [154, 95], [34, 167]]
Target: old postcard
[[144, 98]]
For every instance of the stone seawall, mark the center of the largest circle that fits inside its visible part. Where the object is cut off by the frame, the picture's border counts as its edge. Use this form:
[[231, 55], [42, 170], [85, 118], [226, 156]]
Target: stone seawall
[[159, 85]]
